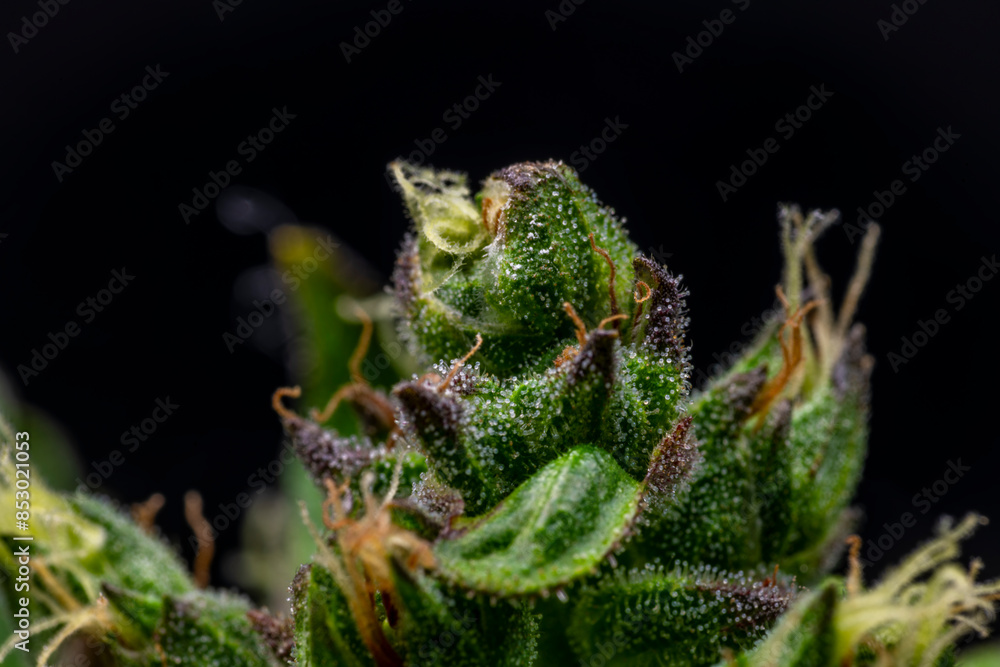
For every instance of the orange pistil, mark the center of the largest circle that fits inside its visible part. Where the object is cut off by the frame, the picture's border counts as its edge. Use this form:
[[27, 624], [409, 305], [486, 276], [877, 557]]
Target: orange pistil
[[359, 391], [491, 215], [854, 567], [371, 538], [439, 383], [203, 532], [791, 356], [458, 365], [611, 280], [367, 547], [613, 318], [144, 513], [773, 579], [368, 402], [280, 393], [646, 296], [581, 328], [570, 351], [161, 653]]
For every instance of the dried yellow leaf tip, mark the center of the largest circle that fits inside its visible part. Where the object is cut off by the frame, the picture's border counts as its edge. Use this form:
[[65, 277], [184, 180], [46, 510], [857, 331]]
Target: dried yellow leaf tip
[[441, 205]]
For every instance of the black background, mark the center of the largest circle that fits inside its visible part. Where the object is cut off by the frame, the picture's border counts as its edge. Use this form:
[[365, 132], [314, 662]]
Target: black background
[[162, 335]]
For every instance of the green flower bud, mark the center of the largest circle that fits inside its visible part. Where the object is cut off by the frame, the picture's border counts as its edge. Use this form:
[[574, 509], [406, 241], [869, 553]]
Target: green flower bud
[[548, 490], [783, 433], [629, 618], [503, 265], [556, 261]]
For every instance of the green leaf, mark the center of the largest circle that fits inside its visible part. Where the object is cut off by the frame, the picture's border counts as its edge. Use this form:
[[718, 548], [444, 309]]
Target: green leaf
[[52, 454], [325, 630], [438, 419], [679, 618], [805, 637], [772, 499], [136, 618], [442, 627], [130, 558], [489, 442], [713, 521], [537, 216], [829, 436], [138, 614], [210, 628], [555, 528]]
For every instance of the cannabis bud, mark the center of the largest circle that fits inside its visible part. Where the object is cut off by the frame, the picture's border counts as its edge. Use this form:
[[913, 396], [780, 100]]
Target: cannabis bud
[[547, 487], [576, 348]]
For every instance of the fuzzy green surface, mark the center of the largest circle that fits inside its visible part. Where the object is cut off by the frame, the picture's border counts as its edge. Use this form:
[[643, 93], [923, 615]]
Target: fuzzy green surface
[[130, 558], [562, 497], [681, 617], [325, 631], [713, 522], [512, 290], [555, 528], [210, 629], [447, 628]]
